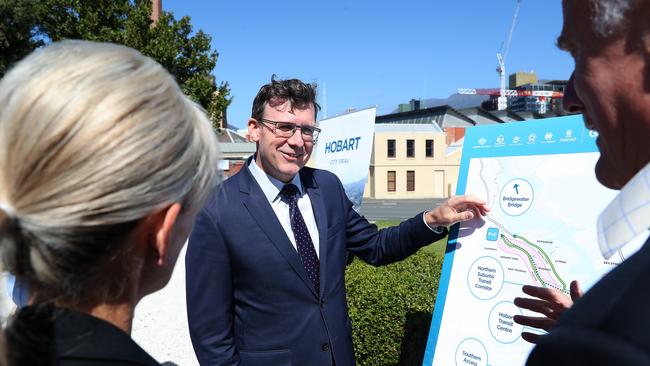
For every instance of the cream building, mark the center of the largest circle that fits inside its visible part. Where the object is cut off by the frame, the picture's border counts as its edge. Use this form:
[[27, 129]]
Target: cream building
[[412, 161]]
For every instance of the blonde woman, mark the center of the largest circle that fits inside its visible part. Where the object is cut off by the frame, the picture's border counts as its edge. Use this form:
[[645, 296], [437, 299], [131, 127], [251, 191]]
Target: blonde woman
[[104, 164]]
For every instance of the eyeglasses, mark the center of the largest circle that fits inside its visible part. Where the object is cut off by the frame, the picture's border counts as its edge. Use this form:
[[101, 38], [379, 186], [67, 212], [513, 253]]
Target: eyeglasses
[[287, 129]]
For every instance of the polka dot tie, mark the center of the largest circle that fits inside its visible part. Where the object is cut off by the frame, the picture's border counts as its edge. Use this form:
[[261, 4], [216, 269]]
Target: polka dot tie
[[303, 239]]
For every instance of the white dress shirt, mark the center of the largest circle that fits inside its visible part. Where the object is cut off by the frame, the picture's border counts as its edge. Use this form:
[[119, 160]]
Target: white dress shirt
[[271, 188], [627, 216]]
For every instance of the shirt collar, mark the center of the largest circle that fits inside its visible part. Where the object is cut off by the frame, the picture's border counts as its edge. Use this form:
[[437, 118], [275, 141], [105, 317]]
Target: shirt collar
[[627, 216], [270, 185]]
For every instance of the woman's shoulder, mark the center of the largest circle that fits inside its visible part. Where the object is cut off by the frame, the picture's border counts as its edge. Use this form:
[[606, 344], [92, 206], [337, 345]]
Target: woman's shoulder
[[79, 336]]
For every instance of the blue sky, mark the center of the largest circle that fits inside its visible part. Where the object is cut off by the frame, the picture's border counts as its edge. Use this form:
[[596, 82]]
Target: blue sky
[[367, 53]]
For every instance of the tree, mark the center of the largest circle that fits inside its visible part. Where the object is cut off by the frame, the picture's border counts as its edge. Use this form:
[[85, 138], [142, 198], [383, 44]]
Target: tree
[[28, 24], [17, 32]]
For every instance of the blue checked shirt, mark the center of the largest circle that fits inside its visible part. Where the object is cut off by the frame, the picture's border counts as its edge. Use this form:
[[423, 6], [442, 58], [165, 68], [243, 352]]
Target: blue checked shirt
[[627, 216]]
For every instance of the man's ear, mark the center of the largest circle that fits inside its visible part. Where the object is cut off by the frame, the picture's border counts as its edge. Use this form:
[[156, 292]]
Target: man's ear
[[253, 130], [164, 221]]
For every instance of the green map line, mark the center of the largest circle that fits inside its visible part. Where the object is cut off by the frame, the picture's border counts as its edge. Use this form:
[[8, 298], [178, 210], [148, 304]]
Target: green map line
[[528, 255], [530, 258], [547, 259]]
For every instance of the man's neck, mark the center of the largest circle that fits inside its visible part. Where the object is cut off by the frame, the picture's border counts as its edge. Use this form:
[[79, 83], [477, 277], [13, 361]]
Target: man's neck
[[271, 186]]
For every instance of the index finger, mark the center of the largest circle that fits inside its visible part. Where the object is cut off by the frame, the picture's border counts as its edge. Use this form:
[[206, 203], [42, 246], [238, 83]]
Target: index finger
[[467, 201], [467, 198], [481, 210]]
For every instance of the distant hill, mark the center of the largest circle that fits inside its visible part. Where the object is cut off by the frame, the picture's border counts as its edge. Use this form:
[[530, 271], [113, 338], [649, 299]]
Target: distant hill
[[457, 101]]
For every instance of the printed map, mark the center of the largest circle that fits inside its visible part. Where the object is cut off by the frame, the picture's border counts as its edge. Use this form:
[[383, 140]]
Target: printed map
[[541, 231]]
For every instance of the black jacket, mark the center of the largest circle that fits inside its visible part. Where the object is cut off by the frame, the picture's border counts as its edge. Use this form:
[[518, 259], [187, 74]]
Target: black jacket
[[249, 299], [81, 339]]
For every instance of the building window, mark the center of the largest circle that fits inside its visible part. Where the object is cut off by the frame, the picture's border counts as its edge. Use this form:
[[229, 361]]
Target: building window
[[391, 148], [429, 148], [410, 148], [410, 180], [391, 181]]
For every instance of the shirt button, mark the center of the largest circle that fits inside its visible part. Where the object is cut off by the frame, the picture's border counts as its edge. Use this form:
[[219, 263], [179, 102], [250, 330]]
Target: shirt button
[[325, 347], [322, 303]]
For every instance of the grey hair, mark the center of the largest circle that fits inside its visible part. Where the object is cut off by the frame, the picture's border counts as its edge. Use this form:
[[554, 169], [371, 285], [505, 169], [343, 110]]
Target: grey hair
[[93, 138], [609, 16]]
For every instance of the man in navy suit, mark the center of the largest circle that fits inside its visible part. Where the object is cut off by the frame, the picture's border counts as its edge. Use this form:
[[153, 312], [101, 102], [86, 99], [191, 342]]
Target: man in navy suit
[[610, 43], [266, 259]]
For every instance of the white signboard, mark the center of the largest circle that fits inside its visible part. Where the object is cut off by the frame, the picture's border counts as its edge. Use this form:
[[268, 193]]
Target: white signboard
[[344, 147], [537, 177]]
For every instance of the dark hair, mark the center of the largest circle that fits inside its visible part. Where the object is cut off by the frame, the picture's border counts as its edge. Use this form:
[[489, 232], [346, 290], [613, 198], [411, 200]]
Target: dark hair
[[279, 91]]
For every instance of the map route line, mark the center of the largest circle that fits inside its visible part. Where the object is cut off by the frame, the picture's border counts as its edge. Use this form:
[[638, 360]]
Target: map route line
[[483, 180], [530, 259], [499, 225], [547, 259]]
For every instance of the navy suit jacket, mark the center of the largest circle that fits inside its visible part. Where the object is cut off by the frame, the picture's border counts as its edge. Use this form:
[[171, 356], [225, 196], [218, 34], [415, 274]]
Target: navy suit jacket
[[609, 325], [249, 299]]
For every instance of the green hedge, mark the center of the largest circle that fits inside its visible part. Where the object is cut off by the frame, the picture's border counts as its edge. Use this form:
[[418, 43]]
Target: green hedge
[[391, 307]]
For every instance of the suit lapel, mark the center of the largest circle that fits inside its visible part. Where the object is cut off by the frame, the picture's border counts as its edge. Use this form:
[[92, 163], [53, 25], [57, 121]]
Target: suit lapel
[[320, 214], [260, 209]]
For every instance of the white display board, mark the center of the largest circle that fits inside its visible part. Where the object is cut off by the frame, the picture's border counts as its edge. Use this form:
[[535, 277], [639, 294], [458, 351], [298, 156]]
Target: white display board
[[344, 148], [538, 179]]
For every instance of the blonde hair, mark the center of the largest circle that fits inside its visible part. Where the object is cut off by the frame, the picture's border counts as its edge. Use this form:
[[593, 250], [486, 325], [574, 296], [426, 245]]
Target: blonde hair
[[93, 138]]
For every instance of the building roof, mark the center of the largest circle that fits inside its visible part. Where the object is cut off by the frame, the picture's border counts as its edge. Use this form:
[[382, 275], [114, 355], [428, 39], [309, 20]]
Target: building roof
[[439, 115], [446, 116], [525, 115], [226, 135], [507, 116], [480, 116]]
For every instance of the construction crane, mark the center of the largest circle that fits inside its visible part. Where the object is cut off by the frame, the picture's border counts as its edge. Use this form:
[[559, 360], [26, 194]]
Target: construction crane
[[502, 94], [502, 101]]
